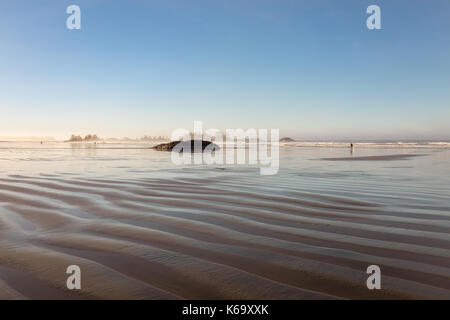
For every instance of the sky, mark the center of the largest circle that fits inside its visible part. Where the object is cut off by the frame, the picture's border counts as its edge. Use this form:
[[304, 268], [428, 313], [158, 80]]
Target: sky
[[310, 68]]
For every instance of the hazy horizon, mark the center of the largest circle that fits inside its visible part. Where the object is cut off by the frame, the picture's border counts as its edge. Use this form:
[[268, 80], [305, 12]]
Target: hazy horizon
[[298, 139]]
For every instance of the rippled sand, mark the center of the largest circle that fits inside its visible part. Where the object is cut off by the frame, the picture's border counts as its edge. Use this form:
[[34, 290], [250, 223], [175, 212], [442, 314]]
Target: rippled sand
[[224, 233]]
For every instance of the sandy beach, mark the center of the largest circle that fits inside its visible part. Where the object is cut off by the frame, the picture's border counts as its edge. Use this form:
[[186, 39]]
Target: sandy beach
[[223, 232]]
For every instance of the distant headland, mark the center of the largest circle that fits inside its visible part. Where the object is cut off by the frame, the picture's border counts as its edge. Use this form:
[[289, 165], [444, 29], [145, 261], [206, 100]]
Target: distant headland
[[94, 138]]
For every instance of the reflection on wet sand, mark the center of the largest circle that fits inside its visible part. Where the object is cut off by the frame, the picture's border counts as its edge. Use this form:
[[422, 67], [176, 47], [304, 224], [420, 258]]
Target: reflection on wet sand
[[202, 233]]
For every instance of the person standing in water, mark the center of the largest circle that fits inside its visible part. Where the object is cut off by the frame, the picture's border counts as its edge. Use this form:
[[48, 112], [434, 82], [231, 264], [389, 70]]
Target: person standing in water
[[351, 148]]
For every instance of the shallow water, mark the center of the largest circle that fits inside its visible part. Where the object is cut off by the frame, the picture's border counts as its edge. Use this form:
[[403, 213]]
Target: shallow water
[[141, 227]]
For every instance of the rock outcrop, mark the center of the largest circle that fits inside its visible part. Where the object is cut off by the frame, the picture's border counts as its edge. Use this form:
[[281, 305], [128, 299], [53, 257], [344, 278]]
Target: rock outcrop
[[191, 145]]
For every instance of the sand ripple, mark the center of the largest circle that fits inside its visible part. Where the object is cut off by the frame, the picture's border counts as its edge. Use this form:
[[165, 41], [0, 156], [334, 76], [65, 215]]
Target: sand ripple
[[215, 238]]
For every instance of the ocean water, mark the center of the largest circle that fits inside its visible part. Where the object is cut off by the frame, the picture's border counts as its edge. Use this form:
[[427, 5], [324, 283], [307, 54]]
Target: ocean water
[[143, 227]]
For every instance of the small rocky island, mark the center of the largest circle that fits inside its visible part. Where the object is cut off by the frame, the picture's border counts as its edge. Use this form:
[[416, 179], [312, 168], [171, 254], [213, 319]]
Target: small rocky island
[[88, 138], [287, 139], [183, 145]]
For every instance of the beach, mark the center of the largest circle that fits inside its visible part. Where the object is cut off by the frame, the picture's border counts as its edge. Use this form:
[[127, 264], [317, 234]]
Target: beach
[[140, 227]]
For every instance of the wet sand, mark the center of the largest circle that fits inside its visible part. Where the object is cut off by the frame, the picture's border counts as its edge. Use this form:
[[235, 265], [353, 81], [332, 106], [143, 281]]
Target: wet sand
[[375, 158], [221, 234]]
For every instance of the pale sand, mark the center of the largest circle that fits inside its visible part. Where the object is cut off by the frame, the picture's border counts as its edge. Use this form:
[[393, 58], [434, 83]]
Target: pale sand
[[201, 239]]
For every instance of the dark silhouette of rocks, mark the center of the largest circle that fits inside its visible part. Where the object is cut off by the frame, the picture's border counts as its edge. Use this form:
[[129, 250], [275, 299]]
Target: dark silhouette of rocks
[[286, 139], [185, 145]]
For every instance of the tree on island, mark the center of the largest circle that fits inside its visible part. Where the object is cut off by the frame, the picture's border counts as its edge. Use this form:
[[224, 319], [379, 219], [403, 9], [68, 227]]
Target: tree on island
[[91, 137], [78, 138], [152, 138], [74, 138]]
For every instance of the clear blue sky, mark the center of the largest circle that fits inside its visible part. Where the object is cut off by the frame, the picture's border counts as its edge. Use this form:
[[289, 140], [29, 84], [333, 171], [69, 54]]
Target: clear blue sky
[[310, 68]]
